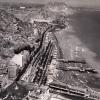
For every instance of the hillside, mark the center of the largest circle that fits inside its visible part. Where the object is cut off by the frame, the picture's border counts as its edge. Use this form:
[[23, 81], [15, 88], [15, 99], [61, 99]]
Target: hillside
[[12, 33]]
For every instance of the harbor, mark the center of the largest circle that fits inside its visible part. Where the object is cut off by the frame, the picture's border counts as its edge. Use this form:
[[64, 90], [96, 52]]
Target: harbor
[[41, 58]]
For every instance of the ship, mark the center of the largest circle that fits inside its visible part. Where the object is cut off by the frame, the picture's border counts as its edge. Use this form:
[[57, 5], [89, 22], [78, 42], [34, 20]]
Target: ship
[[82, 68], [67, 89]]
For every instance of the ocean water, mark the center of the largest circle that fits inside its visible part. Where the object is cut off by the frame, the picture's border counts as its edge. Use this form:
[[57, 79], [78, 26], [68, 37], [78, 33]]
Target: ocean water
[[84, 28], [86, 24]]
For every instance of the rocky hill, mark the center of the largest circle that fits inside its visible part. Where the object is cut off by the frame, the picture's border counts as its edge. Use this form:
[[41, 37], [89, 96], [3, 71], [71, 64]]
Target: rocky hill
[[12, 33], [8, 22]]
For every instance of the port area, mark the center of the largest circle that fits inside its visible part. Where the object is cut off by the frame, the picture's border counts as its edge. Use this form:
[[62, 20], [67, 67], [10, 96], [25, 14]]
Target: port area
[[45, 73], [27, 89], [33, 82]]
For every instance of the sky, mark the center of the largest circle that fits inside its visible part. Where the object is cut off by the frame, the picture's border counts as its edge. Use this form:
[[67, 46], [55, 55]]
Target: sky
[[87, 3]]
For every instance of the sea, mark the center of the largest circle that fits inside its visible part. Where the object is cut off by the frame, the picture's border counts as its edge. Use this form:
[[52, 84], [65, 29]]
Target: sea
[[85, 26]]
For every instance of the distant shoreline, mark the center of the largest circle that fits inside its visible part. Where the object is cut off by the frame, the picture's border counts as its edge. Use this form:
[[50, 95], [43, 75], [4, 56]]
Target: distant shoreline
[[85, 7]]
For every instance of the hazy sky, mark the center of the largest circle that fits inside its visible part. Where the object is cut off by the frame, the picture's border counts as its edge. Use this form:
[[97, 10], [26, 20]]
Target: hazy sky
[[69, 2]]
